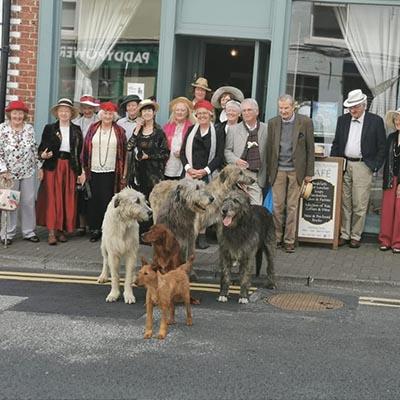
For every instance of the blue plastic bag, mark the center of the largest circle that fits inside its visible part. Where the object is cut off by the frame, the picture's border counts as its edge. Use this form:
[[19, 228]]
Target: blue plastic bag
[[268, 201]]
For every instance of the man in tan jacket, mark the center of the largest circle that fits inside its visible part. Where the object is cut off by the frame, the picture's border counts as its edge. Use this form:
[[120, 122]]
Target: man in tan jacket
[[290, 161]]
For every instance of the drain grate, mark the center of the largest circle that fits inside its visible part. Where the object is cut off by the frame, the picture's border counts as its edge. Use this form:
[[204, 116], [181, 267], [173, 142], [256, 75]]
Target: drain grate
[[304, 302]]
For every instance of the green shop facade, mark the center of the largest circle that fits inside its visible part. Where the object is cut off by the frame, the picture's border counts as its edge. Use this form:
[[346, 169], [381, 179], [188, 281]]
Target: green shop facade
[[315, 50]]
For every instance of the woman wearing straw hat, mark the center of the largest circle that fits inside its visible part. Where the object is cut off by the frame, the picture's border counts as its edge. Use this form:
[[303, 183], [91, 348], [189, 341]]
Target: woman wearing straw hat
[[389, 235], [175, 130], [19, 161], [103, 158], [60, 149], [200, 89], [221, 96]]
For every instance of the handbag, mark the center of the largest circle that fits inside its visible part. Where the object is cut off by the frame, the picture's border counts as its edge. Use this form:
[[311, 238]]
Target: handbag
[[9, 198]]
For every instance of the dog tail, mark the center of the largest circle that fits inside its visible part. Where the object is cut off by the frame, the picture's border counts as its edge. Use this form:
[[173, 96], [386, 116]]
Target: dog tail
[[187, 267]]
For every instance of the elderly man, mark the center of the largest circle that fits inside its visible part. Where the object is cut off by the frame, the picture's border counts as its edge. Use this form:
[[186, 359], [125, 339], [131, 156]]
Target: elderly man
[[290, 155], [359, 138], [245, 146]]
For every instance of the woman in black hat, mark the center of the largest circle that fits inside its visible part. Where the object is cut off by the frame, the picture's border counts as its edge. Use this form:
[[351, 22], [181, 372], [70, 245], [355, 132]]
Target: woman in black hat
[[129, 106]]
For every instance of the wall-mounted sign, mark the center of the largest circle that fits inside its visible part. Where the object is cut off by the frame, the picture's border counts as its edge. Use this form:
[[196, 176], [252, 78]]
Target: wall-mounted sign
[[319, 216]]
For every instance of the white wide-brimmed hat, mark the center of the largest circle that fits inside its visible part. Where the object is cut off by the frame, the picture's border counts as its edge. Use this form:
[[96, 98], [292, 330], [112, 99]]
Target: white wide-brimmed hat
[[354, 98], [147, 103], [235, 93], [89, 100], [389, 119]]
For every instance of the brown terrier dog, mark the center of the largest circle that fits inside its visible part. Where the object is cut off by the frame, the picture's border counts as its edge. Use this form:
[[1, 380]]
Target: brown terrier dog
[[166, 248], [165, 290]]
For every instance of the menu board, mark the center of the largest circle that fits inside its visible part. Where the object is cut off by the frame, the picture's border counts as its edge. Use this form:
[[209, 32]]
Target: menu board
[[319, 216]]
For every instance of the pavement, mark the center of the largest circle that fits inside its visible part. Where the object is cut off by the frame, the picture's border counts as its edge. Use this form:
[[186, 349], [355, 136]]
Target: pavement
[[311, 264]]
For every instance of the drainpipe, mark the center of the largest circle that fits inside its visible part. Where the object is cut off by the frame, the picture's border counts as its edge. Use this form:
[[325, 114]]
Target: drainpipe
[[5, 49]]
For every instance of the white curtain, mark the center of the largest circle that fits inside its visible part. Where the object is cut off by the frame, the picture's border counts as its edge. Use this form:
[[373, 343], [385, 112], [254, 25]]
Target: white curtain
[[101, 23], [372, 36]]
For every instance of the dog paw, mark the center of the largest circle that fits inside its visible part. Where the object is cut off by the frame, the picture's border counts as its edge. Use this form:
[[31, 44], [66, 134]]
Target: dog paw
[[148, 335], [129, 298], [161, 336], [243, 300], [222, 299], [189, 322], [112, 297], [102, 279], [170, 322]]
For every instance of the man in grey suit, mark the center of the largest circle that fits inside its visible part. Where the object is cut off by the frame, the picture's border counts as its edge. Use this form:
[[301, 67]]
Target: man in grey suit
[[290, 155], [245, 146]]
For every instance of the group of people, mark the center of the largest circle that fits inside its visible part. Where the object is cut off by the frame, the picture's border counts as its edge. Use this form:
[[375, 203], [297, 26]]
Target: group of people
[[85, 157]]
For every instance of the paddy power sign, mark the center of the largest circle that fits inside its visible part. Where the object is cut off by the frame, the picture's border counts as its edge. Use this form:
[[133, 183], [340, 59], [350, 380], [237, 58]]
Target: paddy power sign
[[144, 57]]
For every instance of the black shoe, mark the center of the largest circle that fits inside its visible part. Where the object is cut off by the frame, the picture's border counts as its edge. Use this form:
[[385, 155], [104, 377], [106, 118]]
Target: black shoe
[[95, 236], [9, 241], [201, 242], [33, 239]]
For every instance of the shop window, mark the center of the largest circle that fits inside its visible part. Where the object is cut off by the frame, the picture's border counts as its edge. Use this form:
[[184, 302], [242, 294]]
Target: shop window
[[324, 22], [113, 52]]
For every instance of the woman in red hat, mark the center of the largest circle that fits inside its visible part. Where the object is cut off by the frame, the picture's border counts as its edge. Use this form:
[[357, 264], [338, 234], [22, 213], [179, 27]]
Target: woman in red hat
[[202, 152], [19, 161], [103, 158], [60, 149]]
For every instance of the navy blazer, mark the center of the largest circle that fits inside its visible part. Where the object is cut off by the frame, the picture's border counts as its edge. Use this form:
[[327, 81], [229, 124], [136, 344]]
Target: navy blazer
[[373, 139]]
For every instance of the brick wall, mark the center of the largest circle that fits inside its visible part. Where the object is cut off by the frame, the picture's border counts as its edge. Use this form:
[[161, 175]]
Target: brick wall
[[22, 60]]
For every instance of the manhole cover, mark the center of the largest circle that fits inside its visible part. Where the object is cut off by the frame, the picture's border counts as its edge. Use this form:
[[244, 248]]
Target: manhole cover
[[304, 302]]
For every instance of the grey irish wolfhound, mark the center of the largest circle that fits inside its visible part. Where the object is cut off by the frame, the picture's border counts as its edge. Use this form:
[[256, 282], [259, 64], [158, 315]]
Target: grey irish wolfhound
[[120, 238], [178, 212], [247, 232]]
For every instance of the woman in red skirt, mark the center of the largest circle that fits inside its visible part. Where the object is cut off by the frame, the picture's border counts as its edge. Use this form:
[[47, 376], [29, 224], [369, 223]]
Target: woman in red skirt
[[60, 149], [389, 235]]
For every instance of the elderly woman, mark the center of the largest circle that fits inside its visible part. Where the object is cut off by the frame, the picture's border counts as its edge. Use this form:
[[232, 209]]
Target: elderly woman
[[103, 158], [389, 235], [88, 107], [60, 149], [175, 131], [202, 152], [233, 112], [18, 161], [150, 150], [129, 106], [219, 99]]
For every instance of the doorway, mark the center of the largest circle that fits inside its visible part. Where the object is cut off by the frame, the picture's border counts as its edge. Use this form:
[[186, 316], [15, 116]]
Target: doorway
[[229, 65]]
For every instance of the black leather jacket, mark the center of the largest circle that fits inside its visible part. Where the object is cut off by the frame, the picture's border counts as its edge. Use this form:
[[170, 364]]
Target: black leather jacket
[[51, 139], [388, 172]]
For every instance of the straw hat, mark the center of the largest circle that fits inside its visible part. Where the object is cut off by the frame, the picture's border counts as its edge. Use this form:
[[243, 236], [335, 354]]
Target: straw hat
[[66, 103], [236, 94], [145, 103], [354, 98], [306, 190], [389, 119], [183, 100], [201, 83], [17, 105]]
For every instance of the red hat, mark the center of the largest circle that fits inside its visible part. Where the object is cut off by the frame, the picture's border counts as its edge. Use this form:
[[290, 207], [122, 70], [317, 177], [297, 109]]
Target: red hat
[[108, 106], [17, 105], [204, 104]]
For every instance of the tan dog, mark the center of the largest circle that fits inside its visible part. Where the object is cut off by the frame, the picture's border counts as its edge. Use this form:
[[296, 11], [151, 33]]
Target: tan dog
[[167, 252], [165, 290]]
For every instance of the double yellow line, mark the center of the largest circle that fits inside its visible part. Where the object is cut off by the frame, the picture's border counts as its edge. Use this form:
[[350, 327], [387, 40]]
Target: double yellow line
[[92, 280]]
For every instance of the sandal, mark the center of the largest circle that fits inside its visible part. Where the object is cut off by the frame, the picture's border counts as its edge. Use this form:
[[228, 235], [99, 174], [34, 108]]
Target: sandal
[[384, 247], [61, 237], [33, 239], [52, 240]]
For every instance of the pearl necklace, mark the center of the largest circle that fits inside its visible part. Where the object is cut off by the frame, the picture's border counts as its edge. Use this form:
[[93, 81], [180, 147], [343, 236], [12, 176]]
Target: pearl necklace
[[102, 165]]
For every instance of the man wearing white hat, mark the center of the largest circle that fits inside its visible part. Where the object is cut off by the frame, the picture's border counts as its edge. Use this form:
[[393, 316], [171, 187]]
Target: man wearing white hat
[[360, 138]]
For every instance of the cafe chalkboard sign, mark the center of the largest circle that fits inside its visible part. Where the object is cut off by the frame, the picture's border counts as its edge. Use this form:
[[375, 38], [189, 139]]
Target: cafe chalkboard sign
[[319, 216]]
